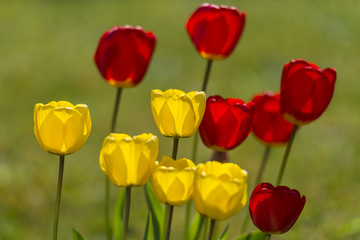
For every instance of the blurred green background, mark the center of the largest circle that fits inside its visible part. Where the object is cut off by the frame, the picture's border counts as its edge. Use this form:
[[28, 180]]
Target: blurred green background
[[46, 51]]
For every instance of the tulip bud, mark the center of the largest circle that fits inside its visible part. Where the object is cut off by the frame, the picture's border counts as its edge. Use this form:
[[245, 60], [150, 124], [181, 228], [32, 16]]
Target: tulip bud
[[173, 181], [220, 189], [269, 125], [215, 30], [306, 91], [128, 161], [60, 127], [177, 114], [226, 123], [123, 55], [275, 210]]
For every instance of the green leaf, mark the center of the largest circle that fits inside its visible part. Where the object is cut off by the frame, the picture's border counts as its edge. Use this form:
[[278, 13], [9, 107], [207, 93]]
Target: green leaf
[[225, 233], [256, 235], [77, 235], [156, 209], [195, 228], [148, 228], [118, 215]]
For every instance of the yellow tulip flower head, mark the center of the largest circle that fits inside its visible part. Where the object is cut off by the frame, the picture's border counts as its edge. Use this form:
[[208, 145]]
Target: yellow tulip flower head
[[60, 127], [173, 181], [128, 161], [220, 189], [177, 114]]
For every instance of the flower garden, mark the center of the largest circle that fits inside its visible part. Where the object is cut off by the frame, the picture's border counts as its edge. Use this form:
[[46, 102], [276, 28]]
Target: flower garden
[[202, 135]]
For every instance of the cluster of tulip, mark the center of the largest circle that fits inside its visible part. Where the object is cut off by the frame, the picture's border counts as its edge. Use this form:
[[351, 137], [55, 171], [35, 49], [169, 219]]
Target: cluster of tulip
[[218, 188]]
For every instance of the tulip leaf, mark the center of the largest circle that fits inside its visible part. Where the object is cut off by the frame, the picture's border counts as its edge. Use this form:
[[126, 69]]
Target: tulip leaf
[[118, 215], [195, 228], [156, 209], [77, 235], [256, 235], [225, 233], [148, 228]]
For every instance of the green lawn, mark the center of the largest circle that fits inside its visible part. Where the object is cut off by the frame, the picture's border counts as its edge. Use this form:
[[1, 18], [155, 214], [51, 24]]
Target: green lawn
[[46, 50]]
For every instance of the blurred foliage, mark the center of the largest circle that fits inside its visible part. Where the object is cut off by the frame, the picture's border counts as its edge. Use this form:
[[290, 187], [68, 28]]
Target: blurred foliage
[[46, 50]]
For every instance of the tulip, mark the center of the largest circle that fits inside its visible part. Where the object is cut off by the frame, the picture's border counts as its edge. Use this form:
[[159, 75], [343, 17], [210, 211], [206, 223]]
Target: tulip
[[220, 189], [226, 123], [60, 127], [215, 30], [306, 91], [123, 55], [128, 161], [269, 125], [172, 181], [177, 114], [274, 210]]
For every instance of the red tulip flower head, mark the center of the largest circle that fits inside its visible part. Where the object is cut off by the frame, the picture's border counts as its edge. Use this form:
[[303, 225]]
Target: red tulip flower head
[[269, 125], [215, 30], [306, 91], [123, 55], [226, 123], [275, 210]]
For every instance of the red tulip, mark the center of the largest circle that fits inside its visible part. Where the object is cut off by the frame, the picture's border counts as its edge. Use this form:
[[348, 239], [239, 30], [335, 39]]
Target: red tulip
[[275, 209], [269, 125], [306, 91], [226, 122], [215, 30], [123, 55]]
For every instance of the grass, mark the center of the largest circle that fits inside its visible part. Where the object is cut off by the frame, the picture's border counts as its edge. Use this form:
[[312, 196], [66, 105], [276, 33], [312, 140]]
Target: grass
[[46, 50]]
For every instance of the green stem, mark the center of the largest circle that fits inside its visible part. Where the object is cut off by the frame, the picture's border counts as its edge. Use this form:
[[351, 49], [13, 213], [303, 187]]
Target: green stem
[[263, 165], [267, 236], [107, 208], [286, 155], [127, 212], [116, 109], [207, 74], [58, 196], [169, 209], [218, 156], [175, 148], [187, 219], [206, 226], [211, 230]]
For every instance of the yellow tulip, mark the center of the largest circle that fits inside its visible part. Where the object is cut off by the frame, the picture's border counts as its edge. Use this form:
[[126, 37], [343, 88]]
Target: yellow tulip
[[173, 181], [60, 127], [177, 114], [128, 161], [220, 189]]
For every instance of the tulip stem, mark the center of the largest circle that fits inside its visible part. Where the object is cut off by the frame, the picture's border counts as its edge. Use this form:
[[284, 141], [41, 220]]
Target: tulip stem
[[169, 209], [211, 230], [218, 156], [58, 196], [107, 209], [286, 155], [206, 227], [267, 236], [207, 74], [116, 109], [187, 219], [127, 212], [257, 181], [175, 148], [263, 165]]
